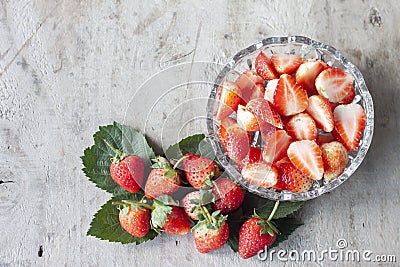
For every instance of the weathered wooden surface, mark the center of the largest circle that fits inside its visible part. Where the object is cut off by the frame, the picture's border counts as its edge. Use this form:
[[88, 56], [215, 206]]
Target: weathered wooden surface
[[68, 66]]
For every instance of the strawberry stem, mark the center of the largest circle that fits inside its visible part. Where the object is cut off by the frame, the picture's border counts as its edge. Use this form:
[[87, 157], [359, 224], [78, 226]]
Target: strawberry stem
[[207, 214], [119, 155], [273, 211], [179, 161], [135, 203]]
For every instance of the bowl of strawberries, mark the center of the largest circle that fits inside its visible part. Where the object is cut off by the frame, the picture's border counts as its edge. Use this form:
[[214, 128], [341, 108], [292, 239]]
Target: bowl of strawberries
[[290, 118]]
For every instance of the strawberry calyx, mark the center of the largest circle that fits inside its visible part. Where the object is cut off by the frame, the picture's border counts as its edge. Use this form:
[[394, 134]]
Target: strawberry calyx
[[268, 225], [162, 207], [163, 163], [118, 154]]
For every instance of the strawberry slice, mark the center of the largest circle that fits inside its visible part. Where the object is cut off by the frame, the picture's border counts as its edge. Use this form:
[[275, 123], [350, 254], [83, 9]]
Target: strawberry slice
[[307, 72], [276, 145], [289, 97], [320, 110], [264, 112], [261, 174], [250, 85], [264, 67], [270, 90], [254, 155], [307, 157], [246, 119], [286, 63], [302, 127], [290, 178], [237, 143], [224, 125], [229, 99], [349, 97], [323, 138], [334, 84], [349, 125], [335, 158]]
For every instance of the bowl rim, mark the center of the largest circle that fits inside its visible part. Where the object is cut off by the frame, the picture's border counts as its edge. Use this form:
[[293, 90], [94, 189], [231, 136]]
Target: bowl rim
[[355, 160]]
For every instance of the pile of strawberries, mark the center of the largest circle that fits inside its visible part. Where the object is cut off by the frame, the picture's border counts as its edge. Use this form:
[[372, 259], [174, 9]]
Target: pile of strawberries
[[303, 112]]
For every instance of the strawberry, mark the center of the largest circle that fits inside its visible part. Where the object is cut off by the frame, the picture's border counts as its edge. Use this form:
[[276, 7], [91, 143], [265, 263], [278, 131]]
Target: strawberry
[[307, 157], [126, 171], [134, 218], [307, 72], [270, 90], [334, 84], [285, 159], [323, 138], [349, 125], [198, 170], [302, 127], [289, 97], [254, 155], [229, 99], [264, 112], [189, 207], [224, 125], [256, 234], [335, 158], [275, 145], [290, 178], [264, 67], [250, 85], [163, 179], [229, 196], [176, 222], [286, 63], [237, 143], [349, 97], [261, 174], [246, 119], [320, 110]]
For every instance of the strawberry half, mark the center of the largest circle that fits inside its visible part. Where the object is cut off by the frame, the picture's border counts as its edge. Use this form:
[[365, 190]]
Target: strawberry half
[[264, 112], [229, 99], [264, 67], [261, 174], [254, 155], [286, 63], [335, 158], [292, 179], [308, 72], [250, 84], [246, 119], [349, 125], [276, 145], [302, 127], [307, 157], [334, 84], [320, 110], [289, 97], [237, 143]]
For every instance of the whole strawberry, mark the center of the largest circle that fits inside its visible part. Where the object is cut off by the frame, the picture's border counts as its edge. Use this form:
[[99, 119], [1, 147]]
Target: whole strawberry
[[134, 218], [126, 171], [199, 170], [229, 195], [256, 234], [177, 222]]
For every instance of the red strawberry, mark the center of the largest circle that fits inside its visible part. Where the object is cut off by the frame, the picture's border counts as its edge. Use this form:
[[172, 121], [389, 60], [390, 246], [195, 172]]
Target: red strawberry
[[229, 196], [307, 72], [264, 67], [270, 90], [349, 97], [176, 222], [264, 112], [349, 125], [323, 138], [261, 174], [199, 170], [335, 159], [285, 159], [134, 219], [254, 155], [307, 157], [162, 180], [320, 110], [128, 172], [224, 125], [286, 63], [275, 145], [289, 97], [246, 119], [250, 85], [334, 84], [258, 92], [290, 178], [302, 127], [207, 238], [229, 99], [189, 207], [237, 143]]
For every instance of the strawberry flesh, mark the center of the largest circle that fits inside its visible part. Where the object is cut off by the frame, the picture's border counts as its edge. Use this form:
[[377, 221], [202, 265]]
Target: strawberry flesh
[[308, 72], [289, 97], [261, 174], [264, 67], [334, 84], [286, 63], [302, 127], [321, 112], [276, 145]]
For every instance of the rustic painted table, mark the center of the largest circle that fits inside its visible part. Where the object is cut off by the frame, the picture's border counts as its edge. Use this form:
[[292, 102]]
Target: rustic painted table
[[68, 66]]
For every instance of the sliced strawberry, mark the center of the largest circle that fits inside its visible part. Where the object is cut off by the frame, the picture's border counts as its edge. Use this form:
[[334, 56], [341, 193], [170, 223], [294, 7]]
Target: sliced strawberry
[[323, 138], [334, 84], [302, 127], [224, 125], [276, 145], [270, 90], [349, 97], [289, 97], [264, 112], [246, 119], [249, 84], [285, 159], [254, 155], [335, 158], [261, 174], [307, 157], [321, 112], [290, 178], [264, 67], [349, 125], [286, 63], [307, 72], [229, 99], [237, 143]]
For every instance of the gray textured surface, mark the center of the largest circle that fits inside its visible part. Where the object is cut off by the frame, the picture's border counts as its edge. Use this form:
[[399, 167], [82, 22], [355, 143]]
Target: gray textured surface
[[68, 66]]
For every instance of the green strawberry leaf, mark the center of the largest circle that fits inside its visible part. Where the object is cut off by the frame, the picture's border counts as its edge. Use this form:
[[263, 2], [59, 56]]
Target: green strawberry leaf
[[105, 224], [286, 227], [96, 159]]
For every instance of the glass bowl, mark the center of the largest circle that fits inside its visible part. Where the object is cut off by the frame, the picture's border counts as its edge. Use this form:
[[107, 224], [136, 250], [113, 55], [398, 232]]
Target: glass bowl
[[307, 48]]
